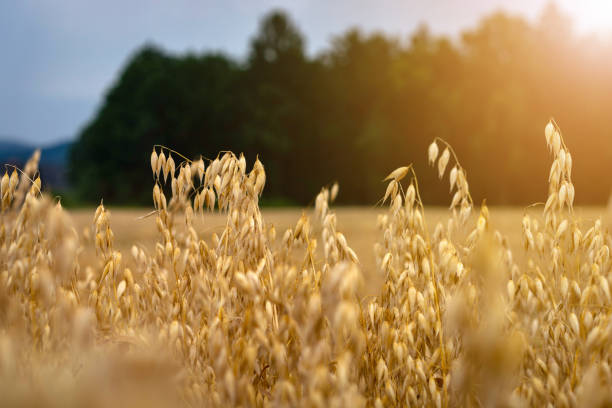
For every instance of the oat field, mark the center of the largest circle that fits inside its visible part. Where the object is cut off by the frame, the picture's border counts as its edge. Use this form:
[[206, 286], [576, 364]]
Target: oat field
[[358, 224], [206, 300]]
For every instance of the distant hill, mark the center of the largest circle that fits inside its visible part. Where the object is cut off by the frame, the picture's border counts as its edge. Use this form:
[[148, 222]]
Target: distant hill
[[57, 153], [53, 160], [13, 150]]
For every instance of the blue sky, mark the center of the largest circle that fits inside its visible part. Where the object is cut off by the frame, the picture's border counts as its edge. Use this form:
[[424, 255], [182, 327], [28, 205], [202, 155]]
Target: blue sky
[[59, 57]]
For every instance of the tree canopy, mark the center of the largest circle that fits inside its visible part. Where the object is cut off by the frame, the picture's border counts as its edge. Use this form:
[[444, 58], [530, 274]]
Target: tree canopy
[[368, 103]]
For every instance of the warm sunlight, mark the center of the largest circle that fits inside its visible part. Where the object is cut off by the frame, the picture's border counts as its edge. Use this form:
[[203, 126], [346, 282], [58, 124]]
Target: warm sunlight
[[306, 203], [590, 15]]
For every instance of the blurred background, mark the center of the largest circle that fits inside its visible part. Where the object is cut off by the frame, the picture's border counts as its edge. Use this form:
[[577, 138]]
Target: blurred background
[[322, 91]]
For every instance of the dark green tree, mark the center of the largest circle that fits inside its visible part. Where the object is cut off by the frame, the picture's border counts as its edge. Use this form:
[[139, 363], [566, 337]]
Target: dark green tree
[[365, 105], [279, 97], [184, 103]]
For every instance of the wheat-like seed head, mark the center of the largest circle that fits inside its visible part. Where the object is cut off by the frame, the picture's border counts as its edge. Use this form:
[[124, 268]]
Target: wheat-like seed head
[[239, 317]]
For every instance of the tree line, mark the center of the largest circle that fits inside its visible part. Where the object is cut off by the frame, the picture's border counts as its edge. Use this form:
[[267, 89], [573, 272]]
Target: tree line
[[365, 105]]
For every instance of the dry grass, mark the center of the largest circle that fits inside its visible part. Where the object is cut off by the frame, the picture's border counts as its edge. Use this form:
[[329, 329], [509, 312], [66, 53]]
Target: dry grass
[[391, 306], [357, 223]]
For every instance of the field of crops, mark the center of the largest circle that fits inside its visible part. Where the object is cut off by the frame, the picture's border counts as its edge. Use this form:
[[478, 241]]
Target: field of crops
[[358, 224], [205, 300]]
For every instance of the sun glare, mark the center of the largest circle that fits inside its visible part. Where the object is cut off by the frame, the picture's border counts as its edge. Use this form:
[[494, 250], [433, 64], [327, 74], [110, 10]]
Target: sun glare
[[591, 15]]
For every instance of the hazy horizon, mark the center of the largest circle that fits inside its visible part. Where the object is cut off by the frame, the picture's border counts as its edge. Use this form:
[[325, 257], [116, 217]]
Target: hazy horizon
[[61, 58]]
